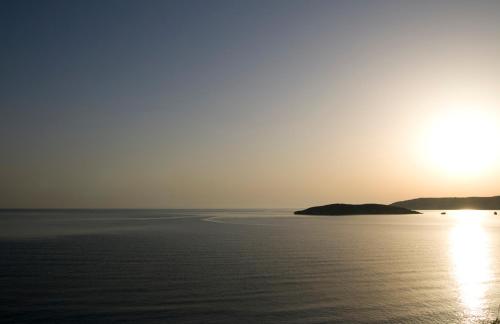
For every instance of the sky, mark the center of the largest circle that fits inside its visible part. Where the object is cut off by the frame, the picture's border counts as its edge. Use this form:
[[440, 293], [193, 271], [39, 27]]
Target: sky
[[247, 104]]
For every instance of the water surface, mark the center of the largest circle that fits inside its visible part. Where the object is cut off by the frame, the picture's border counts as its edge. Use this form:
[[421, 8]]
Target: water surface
[[248, 266]]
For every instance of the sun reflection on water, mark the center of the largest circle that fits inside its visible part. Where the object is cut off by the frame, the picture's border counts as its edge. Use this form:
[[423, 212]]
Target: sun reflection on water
[[470, 251]]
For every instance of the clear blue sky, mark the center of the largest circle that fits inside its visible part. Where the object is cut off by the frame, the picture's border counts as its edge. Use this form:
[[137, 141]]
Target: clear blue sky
[[232, 103]]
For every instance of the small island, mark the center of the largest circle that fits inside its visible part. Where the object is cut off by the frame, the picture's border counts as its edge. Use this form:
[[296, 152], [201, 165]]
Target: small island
[[363, 209]]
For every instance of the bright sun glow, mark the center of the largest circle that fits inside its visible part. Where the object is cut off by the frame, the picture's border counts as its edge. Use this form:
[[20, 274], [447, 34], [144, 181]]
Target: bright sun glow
[[462, 142]]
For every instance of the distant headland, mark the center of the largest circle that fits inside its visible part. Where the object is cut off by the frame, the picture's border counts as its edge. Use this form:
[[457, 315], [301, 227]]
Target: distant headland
[[480, 203], [363, 209]]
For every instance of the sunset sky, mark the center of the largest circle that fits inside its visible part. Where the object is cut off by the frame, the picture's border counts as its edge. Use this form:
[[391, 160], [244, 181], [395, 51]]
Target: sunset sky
[[227, 104]]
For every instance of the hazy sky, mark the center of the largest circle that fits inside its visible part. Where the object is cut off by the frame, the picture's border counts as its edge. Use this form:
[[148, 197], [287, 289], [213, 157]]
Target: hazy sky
[[241, 103]]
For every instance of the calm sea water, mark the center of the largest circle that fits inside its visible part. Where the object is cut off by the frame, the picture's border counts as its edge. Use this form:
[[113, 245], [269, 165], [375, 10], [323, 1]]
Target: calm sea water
[[247, 266]]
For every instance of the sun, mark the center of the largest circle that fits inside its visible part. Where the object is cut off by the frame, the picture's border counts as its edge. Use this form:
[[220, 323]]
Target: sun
[[462, 142]]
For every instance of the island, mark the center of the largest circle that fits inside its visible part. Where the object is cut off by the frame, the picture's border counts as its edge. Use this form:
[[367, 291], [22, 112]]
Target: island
[[363, 209], [450, 203]]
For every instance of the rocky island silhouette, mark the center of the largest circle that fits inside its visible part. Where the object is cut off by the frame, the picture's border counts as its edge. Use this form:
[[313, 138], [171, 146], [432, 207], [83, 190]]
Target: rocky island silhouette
[[362, 209]]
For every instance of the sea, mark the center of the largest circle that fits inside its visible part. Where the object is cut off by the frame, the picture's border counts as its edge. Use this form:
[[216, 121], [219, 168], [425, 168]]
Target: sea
[[247, 266]]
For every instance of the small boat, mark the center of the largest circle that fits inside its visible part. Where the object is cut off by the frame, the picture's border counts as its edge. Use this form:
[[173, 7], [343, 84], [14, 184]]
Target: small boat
[[443, 213]]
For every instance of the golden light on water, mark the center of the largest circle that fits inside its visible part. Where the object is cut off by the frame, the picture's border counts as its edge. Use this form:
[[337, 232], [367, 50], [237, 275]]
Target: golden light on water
[[470, 252]]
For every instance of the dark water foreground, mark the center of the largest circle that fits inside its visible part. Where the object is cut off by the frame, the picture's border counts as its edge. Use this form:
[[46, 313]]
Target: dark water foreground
[[267, 266]]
